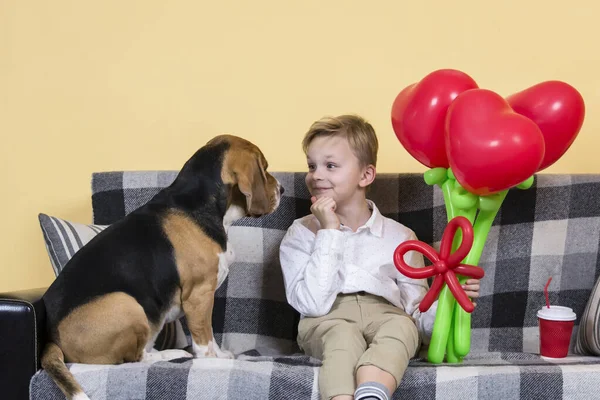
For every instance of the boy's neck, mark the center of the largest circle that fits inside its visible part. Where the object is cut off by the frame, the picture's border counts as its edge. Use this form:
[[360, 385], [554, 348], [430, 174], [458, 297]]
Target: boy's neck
[[354, 214]]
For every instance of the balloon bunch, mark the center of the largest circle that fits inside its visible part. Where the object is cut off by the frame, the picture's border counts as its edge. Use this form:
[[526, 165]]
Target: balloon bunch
[[478, 145]]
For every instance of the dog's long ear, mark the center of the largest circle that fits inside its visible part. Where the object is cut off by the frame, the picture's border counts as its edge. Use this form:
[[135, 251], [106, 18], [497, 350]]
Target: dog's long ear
[[252, 182]]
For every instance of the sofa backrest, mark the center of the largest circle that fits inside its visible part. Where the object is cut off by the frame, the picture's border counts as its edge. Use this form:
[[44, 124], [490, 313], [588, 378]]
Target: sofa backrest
[[551, 229]]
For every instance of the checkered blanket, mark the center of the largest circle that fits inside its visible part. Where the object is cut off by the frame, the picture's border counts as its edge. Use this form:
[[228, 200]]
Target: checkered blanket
[[551, 229], [485, 376]]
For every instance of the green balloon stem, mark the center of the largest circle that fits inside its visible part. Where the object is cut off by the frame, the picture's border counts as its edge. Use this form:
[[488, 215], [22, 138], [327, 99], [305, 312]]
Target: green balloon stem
[[481, 230], [451, 356], [447, 188], [441, 327]]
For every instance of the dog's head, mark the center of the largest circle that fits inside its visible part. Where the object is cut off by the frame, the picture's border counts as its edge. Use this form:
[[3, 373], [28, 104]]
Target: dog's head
[[254, 191]]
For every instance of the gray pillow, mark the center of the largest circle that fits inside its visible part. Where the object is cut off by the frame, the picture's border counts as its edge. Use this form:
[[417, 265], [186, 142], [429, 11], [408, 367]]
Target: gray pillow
[[588, 335]]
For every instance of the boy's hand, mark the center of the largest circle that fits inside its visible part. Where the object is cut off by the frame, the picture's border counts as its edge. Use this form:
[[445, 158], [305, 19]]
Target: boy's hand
[[471, 288], [324, 209]]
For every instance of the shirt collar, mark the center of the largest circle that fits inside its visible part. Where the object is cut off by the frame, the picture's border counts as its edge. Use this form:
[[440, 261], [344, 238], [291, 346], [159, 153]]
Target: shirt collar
[[375, 222]]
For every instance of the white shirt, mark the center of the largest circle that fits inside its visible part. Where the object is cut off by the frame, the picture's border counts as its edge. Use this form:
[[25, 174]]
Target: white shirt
[[316, 268]]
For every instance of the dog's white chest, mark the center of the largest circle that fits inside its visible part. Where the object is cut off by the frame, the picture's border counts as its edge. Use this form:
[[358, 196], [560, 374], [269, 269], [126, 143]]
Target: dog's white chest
[[225, 260], [175, 312]]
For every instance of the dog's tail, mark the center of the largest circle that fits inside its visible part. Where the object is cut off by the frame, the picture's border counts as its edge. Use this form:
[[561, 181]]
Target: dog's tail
[[53, 362]]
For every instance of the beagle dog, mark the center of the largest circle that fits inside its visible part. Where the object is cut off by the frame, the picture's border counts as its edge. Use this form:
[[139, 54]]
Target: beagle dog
[[162, 261]]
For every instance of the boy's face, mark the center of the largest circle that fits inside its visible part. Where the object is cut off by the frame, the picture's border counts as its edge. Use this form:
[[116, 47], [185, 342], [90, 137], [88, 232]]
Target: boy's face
[[333, 170]]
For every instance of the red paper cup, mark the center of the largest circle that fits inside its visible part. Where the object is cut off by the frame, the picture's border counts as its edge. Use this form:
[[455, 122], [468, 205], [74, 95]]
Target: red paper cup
[[556, 326]]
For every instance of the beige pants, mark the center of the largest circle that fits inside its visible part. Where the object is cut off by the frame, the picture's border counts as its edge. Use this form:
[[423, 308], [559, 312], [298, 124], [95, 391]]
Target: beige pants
[[361, 329]]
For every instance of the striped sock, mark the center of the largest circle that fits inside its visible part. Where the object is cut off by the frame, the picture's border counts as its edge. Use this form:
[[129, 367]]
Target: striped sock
[[371, 391]]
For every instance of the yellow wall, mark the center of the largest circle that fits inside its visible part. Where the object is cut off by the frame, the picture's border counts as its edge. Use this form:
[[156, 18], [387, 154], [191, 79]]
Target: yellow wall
[[121, 85]]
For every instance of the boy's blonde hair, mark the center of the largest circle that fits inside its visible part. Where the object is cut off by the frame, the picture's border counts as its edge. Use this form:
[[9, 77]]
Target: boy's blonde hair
[[359, 133]]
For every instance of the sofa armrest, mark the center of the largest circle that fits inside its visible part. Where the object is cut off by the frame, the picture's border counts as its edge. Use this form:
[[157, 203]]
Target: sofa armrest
[[22, 337]]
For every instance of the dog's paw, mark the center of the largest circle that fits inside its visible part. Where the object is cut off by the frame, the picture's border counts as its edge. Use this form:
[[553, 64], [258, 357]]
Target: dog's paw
[[211, 350], [224, 354], [218, 352], [203, 351]]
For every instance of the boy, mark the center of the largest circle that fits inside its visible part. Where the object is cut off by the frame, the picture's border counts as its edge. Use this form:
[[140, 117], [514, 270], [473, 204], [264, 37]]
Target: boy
[[359, 314]]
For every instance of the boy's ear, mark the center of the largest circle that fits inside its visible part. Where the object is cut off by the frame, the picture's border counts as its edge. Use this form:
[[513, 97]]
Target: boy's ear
[[368, 176]]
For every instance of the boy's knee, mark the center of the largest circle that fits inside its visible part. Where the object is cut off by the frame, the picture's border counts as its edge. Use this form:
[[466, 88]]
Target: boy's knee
[[402, 330], [337, 335]]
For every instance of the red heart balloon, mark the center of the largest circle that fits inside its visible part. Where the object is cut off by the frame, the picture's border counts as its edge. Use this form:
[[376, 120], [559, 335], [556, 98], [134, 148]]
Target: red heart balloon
[[490, 147], [419, 111], [558, 109]]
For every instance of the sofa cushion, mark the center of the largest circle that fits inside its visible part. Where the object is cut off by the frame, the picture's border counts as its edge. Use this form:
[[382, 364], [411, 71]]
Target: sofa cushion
[[481, 376], [588, 337]]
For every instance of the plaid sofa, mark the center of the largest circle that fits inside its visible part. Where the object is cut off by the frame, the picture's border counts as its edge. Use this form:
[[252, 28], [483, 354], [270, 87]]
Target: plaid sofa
[[551, 229]]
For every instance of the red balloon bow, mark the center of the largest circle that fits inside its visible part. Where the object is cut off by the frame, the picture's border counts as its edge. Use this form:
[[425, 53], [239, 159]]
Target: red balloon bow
[[444, 265]]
